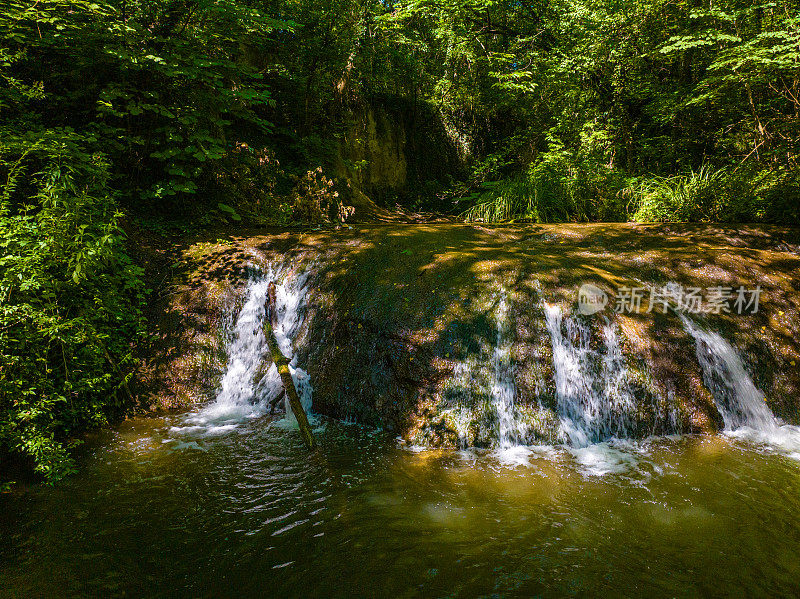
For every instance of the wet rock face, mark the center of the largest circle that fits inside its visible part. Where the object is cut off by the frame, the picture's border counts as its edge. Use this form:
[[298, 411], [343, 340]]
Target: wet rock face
[[403, 329], [364, 372], [430, 293]]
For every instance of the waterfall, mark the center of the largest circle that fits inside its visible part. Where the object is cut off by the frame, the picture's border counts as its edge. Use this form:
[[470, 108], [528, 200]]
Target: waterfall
[[247, 387], [574, 392], [738, 399], [291, 307], [618, 401], [741, 404], [593, 394], [503, 387]]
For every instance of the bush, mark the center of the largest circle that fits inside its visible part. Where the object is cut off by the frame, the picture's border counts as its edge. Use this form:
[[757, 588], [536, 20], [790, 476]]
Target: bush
[[69, 299], [721, 195], [247, 178], [315, 201], [556, 188], [560, 188], [692, 197]]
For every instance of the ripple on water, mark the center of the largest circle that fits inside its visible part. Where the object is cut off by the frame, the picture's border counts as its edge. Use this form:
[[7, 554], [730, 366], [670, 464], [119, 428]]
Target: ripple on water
[[363, 513]]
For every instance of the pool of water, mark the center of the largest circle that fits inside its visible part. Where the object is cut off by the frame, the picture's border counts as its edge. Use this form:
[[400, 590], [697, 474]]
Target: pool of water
[[161, 512]]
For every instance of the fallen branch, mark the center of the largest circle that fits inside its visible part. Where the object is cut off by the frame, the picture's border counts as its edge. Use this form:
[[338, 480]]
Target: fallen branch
[[282, 363], [273, 404]]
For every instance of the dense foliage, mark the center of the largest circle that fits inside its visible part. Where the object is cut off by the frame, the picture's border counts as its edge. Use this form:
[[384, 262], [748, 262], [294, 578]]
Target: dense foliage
[[165, 113], [70, 299], [604, 110]]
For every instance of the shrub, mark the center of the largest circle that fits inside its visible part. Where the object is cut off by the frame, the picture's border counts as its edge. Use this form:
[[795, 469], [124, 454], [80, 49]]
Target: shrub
[[691, 197], [247, 178], [69, 299], [315, 201], [722, 195], [556, 188]]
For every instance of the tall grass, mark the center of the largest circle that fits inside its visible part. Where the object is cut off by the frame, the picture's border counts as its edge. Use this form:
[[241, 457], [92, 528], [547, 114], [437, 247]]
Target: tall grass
[[555, 190], [721, 195], [504, 201], [695, 197]]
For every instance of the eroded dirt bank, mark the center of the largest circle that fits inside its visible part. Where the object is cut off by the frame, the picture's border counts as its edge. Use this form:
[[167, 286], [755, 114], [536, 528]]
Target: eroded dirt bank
[[398, 313]]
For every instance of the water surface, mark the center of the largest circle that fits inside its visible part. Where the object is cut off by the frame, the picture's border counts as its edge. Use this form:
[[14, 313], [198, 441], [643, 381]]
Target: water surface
[[157, 511]]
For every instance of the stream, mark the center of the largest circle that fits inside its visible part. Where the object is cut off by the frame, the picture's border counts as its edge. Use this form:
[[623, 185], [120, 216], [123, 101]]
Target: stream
[[249, 512], [225, 501]]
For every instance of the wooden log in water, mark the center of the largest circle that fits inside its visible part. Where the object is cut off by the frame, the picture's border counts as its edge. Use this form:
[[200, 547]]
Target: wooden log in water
[[275, 401], [282, 363]]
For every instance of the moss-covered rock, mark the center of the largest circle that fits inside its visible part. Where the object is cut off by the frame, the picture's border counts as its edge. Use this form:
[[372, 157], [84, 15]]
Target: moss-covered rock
[[401, 327]]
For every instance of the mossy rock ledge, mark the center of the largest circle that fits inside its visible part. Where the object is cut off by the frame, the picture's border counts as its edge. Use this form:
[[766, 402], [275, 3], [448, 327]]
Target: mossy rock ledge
[[401, 324]]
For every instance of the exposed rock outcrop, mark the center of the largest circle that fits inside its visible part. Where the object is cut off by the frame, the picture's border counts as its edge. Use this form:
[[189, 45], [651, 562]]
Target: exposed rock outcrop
[[402, 322]]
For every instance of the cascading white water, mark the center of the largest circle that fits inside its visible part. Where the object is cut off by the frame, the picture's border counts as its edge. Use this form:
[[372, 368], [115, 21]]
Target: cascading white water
[[240, 395], [741, 404], [236, 400], [503, 388], [618, 401], [594, 401], [290, 304], [738, 399], [574, 391]]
